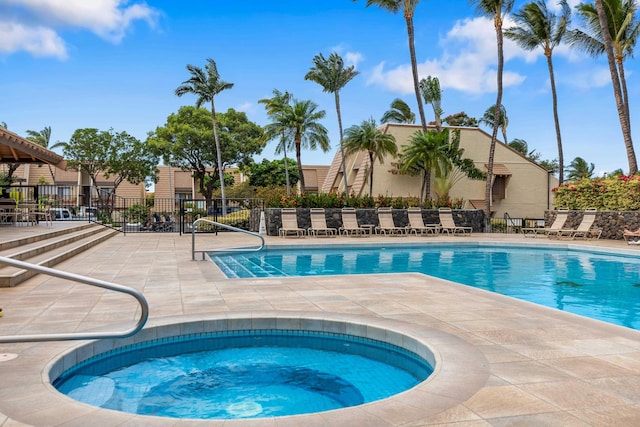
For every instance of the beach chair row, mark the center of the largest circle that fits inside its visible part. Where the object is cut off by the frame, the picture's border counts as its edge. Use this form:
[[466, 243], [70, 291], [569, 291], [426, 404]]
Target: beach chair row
[[385, 226], [557, 229]]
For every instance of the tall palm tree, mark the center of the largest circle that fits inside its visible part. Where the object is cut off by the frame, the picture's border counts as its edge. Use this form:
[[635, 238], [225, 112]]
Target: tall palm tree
[[426, 151], [489, 118], [579, 168], [408, 8], [497, 10], [302, 121], [612, 28], [42, 138], [399, 112], [540, 27], [332, 75], [206, 84], [367, 137], [275, 107], [430, 88]]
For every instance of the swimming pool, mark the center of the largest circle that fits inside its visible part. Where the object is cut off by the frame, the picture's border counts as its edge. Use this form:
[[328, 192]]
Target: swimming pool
[[600, 285]]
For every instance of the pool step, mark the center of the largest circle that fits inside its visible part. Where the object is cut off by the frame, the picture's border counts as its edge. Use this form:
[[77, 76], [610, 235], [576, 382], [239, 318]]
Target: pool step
[[49, 249]]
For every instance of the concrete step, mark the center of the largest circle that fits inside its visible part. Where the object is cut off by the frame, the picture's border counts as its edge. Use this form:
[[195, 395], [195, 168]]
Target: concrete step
[[50, 249]]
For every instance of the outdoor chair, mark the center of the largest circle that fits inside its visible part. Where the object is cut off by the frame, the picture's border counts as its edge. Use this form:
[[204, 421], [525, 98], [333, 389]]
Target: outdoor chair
[[386, 224], [290, 223], [584, 229], [319, 224], [350, 226], [631, 237], [417, 225], [448, 225], [43, 213], [556, 226]]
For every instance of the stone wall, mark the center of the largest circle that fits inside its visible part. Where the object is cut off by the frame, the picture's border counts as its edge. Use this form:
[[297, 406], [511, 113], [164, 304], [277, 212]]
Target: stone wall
[[465, 218], [612, 223]]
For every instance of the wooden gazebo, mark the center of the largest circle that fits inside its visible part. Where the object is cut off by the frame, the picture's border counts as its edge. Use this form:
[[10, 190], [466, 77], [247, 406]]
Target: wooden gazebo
[[16, 149]]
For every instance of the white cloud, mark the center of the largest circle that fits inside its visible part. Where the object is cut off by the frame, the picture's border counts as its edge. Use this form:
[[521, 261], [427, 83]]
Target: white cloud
[[353, 58], [588, 78], [246, 107], [38, 41], [109, 19]]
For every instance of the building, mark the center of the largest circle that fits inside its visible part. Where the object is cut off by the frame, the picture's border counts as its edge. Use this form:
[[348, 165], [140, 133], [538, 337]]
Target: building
[[521, 188]]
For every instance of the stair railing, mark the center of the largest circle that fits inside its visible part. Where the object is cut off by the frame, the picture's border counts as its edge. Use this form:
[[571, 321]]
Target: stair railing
[[194, 228]]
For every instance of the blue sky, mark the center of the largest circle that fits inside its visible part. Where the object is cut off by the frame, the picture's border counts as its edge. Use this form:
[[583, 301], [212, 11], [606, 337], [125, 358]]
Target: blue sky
[[116, 64]]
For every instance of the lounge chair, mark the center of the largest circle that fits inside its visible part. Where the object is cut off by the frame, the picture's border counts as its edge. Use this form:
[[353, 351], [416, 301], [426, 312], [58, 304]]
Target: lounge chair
[[386, 224], [417, 225], [290, 223], [448, 225], [631, 237], [584, 229], [556, 226], [44, 213], [319, 224], [350, 226]]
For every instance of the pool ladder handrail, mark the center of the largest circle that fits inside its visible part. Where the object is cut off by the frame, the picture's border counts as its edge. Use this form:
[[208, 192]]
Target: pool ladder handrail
[[144, 312], [194, 228]]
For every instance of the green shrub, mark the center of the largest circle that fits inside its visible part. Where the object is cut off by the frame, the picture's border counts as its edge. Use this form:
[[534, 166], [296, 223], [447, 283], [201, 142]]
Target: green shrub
[[614, 193]]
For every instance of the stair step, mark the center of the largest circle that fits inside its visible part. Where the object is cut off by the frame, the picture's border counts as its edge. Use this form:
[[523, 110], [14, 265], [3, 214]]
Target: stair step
[[51, 251]]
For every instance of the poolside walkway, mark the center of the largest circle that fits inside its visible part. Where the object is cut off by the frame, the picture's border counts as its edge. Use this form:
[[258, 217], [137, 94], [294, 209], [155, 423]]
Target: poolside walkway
[[516, 363]]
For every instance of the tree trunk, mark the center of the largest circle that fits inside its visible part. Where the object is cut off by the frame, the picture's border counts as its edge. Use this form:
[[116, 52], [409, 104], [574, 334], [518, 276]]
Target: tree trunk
[[219, 158], [286, 165], [344, 163], [617, 91], [298, 143], [371, 160], [554, 98], [414, 71]]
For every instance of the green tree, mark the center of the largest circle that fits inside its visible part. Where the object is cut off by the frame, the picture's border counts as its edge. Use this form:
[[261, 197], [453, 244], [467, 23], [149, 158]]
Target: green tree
[[332, 75], [426, 151], [497, 10], [579, 168], [461, 119], [273, 172], [488, 119], [399, 112], [88, 151], [42, 138], [187, 140], [430, 88], [537, 26], [367, 137], [612, 28], [549, 165], [408, 8], [206, 84], [278, 128], [303, 123]]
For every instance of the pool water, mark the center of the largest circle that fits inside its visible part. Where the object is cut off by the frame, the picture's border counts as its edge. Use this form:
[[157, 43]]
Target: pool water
[[250, 374], [597, 285]]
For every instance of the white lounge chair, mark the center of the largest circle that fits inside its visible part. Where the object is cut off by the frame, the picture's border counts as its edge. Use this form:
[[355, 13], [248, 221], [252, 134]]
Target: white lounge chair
[[417, 225], [449, 226], [319, 224], [350, 226], [584, 229], [556, 226], [386, 225], [290, 223]]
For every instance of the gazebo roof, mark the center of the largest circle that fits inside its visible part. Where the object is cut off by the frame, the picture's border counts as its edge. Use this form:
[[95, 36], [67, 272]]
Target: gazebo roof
[[16, 149]]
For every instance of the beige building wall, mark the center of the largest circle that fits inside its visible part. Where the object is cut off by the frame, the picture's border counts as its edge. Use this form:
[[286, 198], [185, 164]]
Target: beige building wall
[[527, 189]]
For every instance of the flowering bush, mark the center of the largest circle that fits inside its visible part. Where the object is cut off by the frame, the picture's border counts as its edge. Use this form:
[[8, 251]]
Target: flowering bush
[[614, 193]]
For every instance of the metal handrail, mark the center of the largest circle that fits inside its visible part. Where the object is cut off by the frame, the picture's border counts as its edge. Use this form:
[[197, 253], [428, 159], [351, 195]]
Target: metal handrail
[[194, 226], [144, 315]]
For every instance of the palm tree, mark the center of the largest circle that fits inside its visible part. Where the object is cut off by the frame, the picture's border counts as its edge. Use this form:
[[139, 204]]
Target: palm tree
[[302, 122], [579, 168], [612, 28], [206, 84], [332, 75], [426, 151], [42, 138], [399, 112], [408, 8], [540, 27], [488, 119], [275, 107], [496, 9], [367, 137], [430, 88]]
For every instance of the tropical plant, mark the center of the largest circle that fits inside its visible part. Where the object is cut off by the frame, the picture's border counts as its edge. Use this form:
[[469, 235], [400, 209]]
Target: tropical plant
[[399, 112], [408, 8], [42, 138], [612, 28], [274, 172], [367, 137], [430, 88], [332, 75], [461, 119], [489, 118], [206, 84], [537, 26], [496, 10], [275, 106], [579, 169]]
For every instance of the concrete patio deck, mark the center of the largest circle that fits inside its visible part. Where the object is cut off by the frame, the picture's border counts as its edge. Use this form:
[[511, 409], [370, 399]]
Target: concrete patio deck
[[516, 363]]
